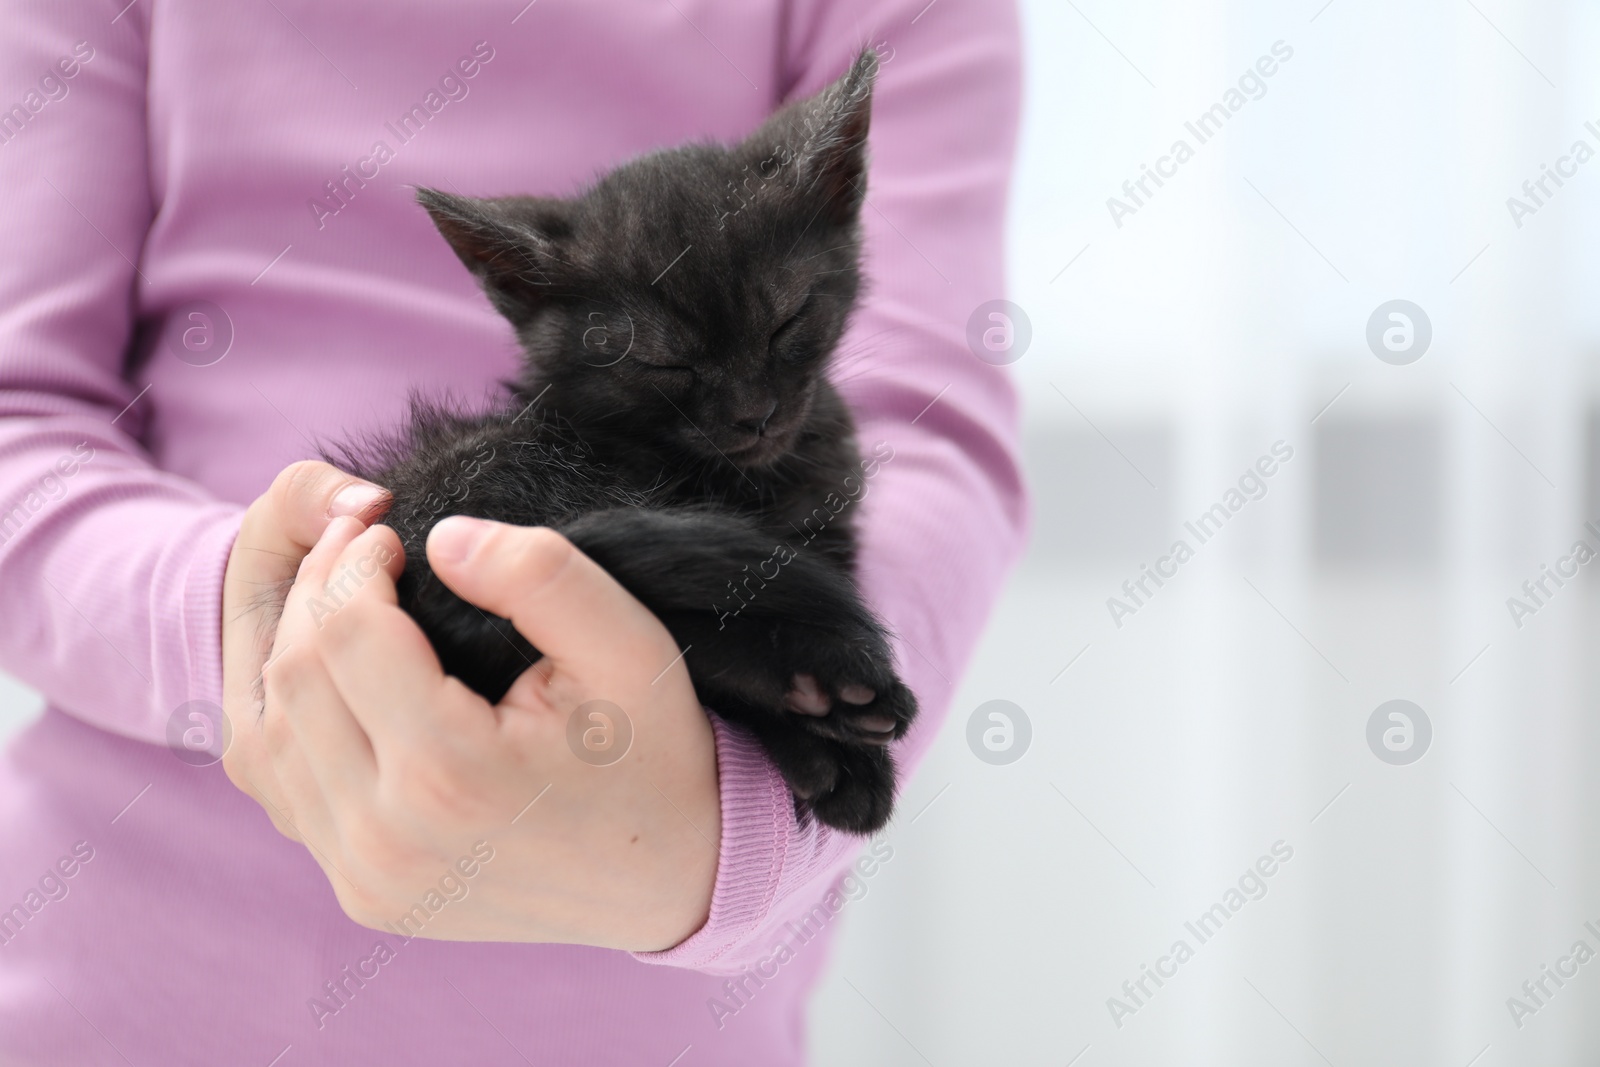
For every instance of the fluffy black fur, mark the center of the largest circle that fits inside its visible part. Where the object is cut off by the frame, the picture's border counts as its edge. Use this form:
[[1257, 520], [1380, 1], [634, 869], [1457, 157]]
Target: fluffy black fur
[[673, 419]]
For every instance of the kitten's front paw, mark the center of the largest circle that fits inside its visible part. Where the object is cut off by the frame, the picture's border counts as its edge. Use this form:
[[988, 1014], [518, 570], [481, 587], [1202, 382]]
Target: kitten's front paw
[[838, 761], [853, 712], [862, 798], [847, 787]]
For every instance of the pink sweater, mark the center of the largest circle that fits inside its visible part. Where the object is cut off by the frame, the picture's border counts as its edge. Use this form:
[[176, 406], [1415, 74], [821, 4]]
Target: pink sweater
[[249, 163]]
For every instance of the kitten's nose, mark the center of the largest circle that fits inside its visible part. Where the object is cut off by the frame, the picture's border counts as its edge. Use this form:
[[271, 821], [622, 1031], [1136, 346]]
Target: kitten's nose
[[757, 423]]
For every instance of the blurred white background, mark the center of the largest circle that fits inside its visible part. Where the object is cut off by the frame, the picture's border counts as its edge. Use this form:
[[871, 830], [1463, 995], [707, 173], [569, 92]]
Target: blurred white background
[[1230, 713], [1223, 316]]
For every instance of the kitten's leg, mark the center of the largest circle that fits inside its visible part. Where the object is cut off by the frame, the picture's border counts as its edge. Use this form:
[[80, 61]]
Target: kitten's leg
[[746, 651]]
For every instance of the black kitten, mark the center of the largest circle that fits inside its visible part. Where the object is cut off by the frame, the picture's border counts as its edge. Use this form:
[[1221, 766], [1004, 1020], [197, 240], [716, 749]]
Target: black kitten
[[673, 420]]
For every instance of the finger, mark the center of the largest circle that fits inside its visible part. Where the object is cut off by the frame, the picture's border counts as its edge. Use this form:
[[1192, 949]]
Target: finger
[[364, 568], [328, 740], [303, 499], [274, 536], [307, 495], [336, 749], [284, 780], [558, 598], [381, 661], [300, 799], [322, 586]]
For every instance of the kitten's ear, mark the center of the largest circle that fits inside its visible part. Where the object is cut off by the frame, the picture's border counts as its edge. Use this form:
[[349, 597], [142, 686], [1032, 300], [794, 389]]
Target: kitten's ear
[[510, 244], [829, 131]]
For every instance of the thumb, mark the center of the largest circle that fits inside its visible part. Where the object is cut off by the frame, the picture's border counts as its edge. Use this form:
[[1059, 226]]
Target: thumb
[[562, 601], [306, 496], [283, 524]]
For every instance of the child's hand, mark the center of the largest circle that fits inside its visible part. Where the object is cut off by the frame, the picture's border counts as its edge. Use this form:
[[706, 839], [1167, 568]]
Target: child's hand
[[278, 530], [393, 774]]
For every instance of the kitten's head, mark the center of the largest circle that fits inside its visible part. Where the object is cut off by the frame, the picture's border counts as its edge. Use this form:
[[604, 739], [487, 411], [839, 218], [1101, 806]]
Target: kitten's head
[[690, 299]]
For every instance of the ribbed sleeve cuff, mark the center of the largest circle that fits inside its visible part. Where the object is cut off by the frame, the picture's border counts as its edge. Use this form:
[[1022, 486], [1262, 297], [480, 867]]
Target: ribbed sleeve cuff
[[757, 817], [191, 666]]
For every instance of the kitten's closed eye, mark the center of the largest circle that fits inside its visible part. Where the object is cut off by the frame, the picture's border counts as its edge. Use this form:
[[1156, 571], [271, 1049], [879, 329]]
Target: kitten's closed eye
[[656, 363], [787, 330]]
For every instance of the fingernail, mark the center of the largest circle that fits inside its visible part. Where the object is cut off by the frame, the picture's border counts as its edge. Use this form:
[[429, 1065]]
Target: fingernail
[[452, 540], [354, 499]]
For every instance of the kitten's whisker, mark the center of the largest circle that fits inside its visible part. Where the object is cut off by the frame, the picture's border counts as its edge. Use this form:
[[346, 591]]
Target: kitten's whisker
[[825, 251]]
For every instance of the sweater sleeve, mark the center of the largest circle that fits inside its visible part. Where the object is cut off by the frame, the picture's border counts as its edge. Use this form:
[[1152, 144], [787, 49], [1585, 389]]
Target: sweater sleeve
[[110, 569], [945, 513]]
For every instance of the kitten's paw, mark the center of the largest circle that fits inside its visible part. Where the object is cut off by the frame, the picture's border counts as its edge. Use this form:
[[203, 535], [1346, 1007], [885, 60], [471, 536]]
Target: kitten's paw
[[853, 712], [862, 797], [806, 697], [846, 785]]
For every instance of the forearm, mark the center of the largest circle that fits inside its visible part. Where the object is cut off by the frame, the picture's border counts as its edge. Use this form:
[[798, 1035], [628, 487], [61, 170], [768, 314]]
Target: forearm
[[112, 576], [110, 568]]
